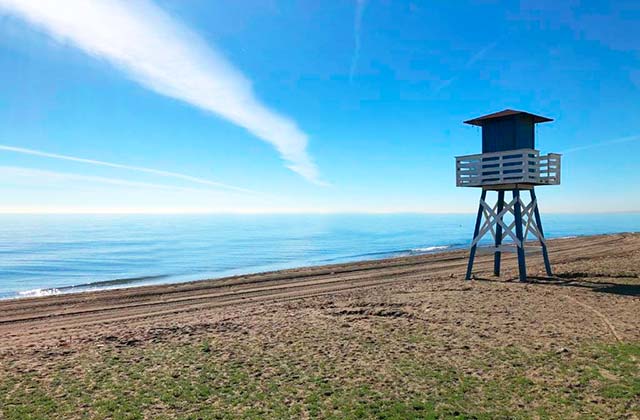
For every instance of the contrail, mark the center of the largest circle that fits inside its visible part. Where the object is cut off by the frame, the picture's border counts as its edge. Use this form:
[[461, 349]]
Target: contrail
[[127, 167], [161, 54], [357, 29], [470, 62], [603, 143], [480, 54], [8, 171]]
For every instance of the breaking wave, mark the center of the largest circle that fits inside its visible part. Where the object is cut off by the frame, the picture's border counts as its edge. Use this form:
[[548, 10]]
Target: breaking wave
[[39, 292], [390, 254], [96, 285], [429, 249]]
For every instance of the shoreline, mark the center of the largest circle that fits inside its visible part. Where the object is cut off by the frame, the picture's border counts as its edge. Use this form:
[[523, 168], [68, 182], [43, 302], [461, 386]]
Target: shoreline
[[134, 282], [139, 281]]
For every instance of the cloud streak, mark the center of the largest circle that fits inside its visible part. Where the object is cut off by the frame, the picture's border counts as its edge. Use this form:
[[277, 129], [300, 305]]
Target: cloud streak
[[601, 144], [467, 65], [176, 175], [45, 176], [155, 50], [357, 29], [480, 54]]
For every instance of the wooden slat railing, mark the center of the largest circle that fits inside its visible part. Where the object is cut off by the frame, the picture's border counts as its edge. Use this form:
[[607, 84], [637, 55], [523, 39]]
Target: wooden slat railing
[[509, 167]]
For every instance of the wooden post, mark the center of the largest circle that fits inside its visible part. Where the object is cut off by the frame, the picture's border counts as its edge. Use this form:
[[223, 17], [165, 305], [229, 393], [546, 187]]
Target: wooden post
[[498, 242], [545, 254], [522, 268], [476, 230]]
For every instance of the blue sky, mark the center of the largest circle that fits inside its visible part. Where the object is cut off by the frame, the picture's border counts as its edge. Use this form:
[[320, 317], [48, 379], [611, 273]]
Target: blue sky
[[263, 106]]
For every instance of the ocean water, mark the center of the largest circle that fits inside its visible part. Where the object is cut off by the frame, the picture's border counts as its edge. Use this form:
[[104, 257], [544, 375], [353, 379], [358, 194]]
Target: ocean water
[[46, 254]]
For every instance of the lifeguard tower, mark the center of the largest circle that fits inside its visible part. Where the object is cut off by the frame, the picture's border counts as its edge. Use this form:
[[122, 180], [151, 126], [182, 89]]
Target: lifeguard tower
[[509, 162]]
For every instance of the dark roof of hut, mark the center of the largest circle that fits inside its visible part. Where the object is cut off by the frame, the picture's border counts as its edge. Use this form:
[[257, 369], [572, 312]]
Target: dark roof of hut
[[506, 113]]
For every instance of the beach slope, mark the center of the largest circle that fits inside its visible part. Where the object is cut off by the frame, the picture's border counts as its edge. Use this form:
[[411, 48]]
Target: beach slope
[[395, 338]]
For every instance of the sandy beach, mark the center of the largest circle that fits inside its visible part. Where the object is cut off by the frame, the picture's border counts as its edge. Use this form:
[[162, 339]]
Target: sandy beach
[[407, 336]]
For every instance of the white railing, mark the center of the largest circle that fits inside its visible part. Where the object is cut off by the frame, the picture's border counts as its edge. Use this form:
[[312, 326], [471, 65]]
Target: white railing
[[523, 166]]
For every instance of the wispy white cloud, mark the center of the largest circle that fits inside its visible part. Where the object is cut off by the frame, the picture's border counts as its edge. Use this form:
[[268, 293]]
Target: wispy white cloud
[[176, 175], [357, 29], [158, 52], [602, 143]]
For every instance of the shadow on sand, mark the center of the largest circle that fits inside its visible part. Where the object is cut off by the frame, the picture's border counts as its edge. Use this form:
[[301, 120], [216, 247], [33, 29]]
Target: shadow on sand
[[577, 279]]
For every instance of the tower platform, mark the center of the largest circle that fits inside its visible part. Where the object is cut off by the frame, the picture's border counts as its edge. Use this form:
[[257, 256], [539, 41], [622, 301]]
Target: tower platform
[[508, 169]]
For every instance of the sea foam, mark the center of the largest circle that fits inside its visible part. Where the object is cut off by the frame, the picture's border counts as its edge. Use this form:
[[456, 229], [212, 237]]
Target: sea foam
[[430, 249], [39, 292]]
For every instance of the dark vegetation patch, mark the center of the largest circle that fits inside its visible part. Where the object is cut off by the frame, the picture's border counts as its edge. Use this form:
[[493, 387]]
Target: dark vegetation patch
[[366, 312]]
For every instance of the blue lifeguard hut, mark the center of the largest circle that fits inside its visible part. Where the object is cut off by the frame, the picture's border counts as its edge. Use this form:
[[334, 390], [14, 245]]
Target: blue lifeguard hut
[[509, 162]]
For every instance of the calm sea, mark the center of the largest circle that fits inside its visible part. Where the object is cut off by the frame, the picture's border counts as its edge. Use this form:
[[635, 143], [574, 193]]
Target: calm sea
[[42, 255]]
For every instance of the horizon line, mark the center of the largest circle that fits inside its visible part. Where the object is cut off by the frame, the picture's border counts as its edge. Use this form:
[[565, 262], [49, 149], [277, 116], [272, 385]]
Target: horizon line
[[19, 212]]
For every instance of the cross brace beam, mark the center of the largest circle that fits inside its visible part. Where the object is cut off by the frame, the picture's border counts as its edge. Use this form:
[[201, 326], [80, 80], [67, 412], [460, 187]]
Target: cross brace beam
[[514, 221]]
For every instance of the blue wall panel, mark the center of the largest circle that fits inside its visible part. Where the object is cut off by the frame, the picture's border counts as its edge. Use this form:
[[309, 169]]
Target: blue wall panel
[[508, 133]]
